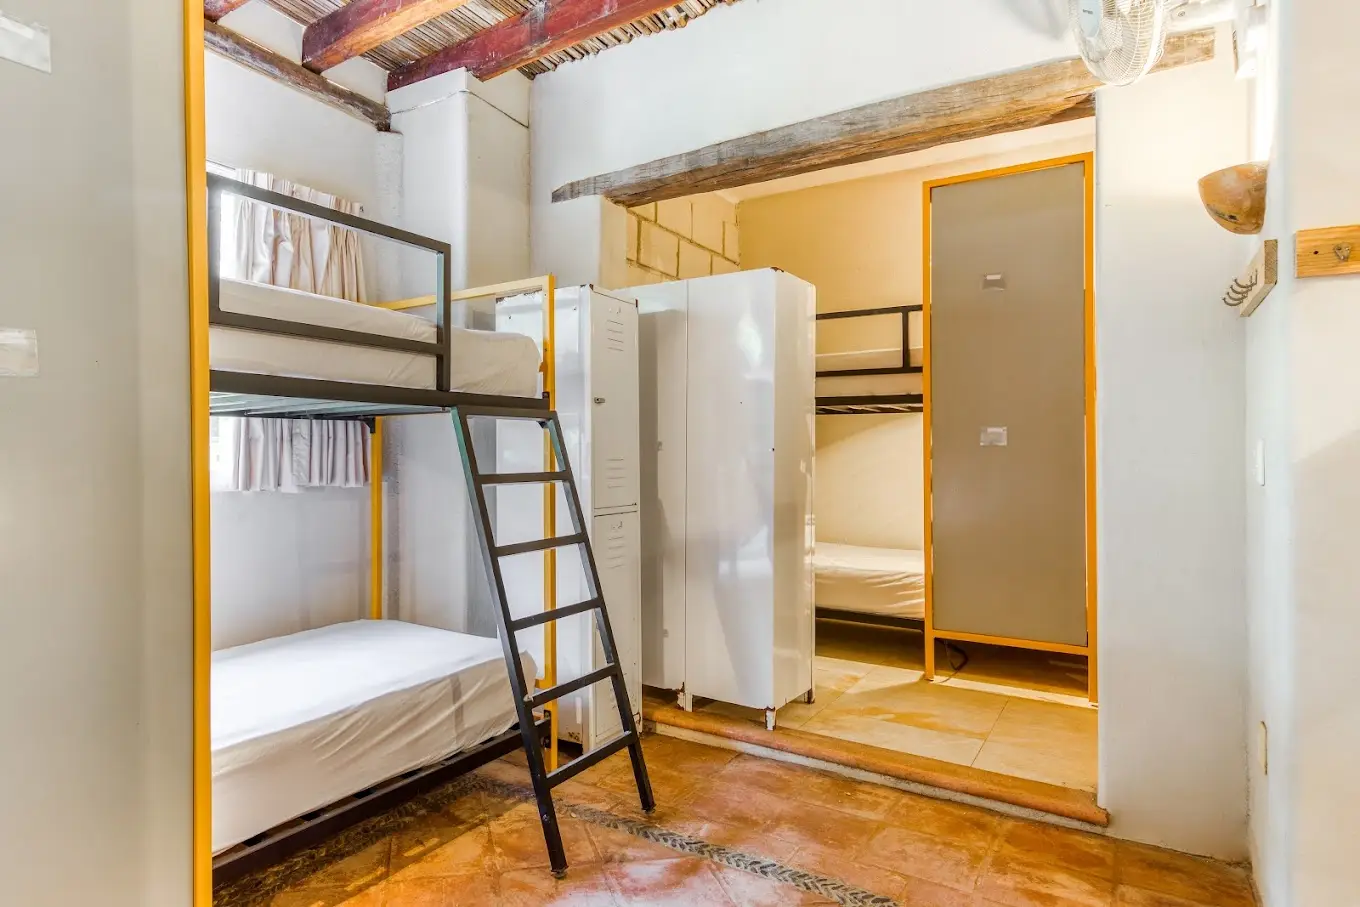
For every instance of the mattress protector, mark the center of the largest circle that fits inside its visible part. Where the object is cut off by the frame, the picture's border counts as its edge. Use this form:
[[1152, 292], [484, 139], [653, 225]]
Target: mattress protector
[[305, 720], [483, 362], [888, 582]]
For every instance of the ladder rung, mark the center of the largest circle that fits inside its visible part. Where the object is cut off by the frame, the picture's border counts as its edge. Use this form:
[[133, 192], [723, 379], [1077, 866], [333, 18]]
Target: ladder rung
[[592, 758], [571, 686], [544, 617], [561, 541], [521, 478]]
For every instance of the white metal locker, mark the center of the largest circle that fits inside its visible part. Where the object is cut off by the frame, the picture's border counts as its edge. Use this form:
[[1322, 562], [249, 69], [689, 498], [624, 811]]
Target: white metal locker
[[730, 548], [597, 402], [664, 363]]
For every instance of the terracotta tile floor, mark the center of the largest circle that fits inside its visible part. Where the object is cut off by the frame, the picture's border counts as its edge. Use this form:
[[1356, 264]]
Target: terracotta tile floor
[[871, 690], [486, 849]]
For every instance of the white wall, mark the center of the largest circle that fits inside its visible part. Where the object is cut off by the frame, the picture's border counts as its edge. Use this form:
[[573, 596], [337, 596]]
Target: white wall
[[1170, 418], [466, 181], [1303, 403], [258, 123], [95, 655], [1173, 762], [284, 563], [748, 67]]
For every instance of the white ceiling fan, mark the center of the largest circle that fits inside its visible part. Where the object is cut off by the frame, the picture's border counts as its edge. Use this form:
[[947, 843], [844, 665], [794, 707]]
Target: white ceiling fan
[[1122, 40]]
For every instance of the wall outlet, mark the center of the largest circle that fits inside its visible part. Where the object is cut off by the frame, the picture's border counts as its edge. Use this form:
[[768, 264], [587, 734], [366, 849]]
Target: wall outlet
[[1263, 745]]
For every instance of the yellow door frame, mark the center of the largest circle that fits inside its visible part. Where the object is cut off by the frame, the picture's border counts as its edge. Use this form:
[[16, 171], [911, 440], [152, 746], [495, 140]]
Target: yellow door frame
[[1087, 160], [196, 226]]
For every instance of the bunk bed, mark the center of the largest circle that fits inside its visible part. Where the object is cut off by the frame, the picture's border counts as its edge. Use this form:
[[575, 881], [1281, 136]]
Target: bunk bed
[[314, 732], [857, 584]]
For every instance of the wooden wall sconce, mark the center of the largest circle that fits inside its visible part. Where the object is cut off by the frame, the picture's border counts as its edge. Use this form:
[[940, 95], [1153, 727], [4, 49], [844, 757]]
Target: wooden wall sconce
[[1250, 288], [1236, 197]]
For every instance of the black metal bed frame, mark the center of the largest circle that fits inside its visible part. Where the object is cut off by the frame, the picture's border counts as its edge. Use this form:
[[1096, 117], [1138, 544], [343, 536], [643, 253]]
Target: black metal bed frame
[[251, 394], [273, 847], [872, 620], [246, 393], [881, 404]]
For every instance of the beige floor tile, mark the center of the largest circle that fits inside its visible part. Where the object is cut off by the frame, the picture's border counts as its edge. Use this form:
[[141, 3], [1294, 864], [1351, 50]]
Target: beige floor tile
[[684, 882], [920, 893], [889, 694], [750, 890], [1188, 878], [1076, 851], [926, 857], [1027, 722], [835, 864], [1051, 765], [952, 822], [584, 886], [1126, 896], [1016, 884], [903, 738]]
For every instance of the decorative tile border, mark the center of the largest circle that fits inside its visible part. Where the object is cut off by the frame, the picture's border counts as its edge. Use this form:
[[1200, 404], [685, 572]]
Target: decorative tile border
[[258, 889]]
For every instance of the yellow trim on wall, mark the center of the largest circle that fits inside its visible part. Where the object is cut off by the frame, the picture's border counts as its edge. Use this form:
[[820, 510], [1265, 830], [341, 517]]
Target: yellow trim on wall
[[1087, 160], [375, 522], [196, 227]]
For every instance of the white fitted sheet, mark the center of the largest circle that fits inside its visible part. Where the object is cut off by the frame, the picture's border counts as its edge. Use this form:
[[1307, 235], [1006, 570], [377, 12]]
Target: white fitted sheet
[[484, 362], [305, 720], [889, 582]]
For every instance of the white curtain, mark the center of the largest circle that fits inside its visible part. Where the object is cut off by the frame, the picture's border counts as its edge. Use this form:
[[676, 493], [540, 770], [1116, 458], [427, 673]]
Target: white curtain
[[289, 455], [288, 250]]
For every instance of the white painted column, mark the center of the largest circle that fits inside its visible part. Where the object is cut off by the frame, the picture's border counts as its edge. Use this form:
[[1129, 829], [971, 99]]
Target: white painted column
[[1170, 527]]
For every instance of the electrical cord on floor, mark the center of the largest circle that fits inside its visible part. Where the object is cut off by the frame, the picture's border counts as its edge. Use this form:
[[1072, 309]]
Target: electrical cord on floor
[[949, 651]]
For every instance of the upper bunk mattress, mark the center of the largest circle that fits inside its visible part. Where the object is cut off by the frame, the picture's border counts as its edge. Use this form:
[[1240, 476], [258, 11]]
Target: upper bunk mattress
[[888, 582], [484, 362], [305, 720]]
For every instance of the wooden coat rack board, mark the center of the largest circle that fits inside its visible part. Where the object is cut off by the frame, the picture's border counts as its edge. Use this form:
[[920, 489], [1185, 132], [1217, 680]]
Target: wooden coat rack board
[[1328, 252], [1250, 288]]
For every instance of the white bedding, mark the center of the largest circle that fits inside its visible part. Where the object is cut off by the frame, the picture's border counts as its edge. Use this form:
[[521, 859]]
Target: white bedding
[[305, 720], [484, 362], [888, 582]]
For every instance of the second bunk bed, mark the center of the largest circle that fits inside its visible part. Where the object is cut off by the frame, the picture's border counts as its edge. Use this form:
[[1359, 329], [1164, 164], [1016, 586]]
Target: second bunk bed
[[857, 583]]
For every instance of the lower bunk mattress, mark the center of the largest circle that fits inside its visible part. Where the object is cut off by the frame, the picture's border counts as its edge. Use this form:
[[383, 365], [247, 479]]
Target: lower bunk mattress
[[305, 720], [884, 582]]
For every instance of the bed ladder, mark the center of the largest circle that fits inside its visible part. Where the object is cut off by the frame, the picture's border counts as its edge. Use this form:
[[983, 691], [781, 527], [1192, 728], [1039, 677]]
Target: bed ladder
[[526, 699]]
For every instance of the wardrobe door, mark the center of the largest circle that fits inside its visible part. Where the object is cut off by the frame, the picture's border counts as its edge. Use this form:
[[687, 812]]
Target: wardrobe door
[[613, 403], [1007, 349]]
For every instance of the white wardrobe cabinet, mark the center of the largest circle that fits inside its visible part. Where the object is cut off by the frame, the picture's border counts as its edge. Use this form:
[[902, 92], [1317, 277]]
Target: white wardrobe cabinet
[[728, 416], [597, 403]]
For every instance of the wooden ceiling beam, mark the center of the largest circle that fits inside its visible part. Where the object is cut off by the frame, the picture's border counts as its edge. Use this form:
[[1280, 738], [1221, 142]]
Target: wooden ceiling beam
[[228, 44], [361, 25], [216, 9], [545, 29], [1037, 96]]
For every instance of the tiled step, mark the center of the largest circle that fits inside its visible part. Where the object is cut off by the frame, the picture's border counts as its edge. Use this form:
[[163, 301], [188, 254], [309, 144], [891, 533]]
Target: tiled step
[[965, 781]]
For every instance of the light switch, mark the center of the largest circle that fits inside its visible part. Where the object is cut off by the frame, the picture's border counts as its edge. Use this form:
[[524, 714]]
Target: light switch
[[994, 436]]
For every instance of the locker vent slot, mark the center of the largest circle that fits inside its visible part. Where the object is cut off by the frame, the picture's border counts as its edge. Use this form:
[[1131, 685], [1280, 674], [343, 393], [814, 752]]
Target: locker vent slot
[[616, 472], [615, 336], [614, 551]]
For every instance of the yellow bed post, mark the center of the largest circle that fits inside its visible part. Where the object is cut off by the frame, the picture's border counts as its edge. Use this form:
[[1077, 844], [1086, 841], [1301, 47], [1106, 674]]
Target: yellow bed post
[[550, 511], [375, 511], [196, 179]]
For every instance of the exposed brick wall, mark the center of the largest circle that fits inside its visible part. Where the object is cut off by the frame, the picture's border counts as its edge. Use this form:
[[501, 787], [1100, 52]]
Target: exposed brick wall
[[682, 238]]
